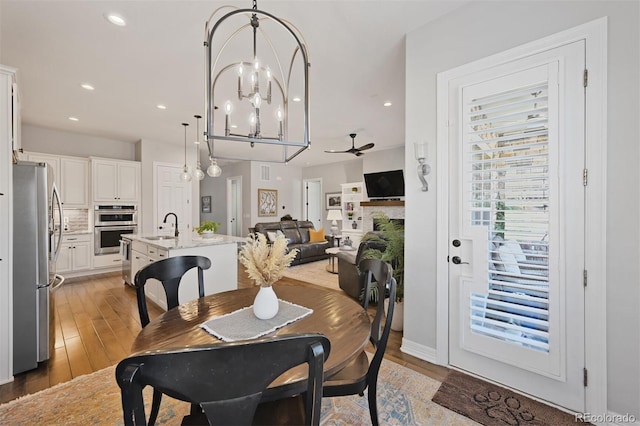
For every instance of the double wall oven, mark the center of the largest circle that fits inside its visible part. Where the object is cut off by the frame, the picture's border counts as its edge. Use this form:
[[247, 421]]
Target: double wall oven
[[110, 222]]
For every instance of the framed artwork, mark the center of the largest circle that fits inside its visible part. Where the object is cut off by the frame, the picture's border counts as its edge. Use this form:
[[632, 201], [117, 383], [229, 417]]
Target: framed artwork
[[333, 200], [206, 204], [267, 202]]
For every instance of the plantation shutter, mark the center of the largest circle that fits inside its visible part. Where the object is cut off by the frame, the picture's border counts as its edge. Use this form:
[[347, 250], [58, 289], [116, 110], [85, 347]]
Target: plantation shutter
[[506, 151]]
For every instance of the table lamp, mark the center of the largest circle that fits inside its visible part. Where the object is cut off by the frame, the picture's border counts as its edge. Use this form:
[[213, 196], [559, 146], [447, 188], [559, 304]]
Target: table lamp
[[334, 216]]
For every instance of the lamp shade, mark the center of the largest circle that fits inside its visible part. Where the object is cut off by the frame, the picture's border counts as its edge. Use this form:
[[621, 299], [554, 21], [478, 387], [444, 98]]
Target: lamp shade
[[334, 215]]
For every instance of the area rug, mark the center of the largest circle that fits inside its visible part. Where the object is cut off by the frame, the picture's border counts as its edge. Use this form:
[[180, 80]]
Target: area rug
[[314, 273], [490, 404], [404, 398]]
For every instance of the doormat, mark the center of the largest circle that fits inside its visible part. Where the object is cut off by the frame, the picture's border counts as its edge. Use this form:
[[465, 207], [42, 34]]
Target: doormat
[[491, 405]]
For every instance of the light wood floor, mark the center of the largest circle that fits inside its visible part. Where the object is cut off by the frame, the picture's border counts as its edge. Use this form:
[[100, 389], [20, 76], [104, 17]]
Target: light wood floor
[[95, 320]]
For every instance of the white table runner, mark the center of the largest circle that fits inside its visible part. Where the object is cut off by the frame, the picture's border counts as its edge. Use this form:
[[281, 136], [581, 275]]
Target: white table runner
[[243, 324]]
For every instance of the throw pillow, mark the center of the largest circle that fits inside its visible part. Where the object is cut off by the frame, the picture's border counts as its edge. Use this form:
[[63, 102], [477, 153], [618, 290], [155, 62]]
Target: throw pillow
[[271, 236], [316, 236]]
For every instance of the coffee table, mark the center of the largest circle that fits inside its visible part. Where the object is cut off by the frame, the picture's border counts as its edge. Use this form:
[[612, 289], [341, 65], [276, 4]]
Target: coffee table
[[332, 267]]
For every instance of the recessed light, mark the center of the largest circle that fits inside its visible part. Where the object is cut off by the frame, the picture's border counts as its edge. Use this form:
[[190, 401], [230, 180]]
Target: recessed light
[[296, 99], [161, 106], [387, 104], [87, 86], [73, 118], [115, 19]]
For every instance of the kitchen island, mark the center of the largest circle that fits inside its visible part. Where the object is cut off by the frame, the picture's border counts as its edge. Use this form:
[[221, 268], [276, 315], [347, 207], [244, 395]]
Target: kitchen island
[[222, 250]]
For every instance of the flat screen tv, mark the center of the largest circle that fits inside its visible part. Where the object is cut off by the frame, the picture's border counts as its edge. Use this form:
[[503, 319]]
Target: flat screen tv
[[385, 184]]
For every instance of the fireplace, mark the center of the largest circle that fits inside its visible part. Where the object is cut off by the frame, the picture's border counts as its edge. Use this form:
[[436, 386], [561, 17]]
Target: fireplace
[[394, 210]]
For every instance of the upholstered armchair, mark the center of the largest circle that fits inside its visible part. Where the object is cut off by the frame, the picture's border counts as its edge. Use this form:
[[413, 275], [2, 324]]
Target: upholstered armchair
[[348, 261]]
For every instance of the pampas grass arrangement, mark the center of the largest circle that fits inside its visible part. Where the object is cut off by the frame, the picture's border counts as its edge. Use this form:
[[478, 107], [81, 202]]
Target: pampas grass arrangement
[[265, 263]]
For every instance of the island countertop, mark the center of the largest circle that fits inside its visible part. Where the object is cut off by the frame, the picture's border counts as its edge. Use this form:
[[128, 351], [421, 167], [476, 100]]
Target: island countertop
[[186, 241]]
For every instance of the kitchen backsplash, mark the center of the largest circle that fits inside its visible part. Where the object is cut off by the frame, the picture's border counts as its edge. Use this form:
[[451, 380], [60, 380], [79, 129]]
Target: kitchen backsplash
[[76, 220]]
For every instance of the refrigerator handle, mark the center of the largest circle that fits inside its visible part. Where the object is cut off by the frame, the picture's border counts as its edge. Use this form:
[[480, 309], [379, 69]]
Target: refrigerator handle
[[55, 198]]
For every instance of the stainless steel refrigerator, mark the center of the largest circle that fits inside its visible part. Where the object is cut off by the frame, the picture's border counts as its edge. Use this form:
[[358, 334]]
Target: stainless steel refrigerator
[[37, 215]]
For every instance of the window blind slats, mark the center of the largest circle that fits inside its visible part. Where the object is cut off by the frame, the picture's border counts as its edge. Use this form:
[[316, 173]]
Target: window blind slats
[[480, 110], [507, 181], [519, 93]]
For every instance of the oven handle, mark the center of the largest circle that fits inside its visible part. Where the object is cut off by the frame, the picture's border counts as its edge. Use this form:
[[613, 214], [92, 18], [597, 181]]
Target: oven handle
[[115, 228]]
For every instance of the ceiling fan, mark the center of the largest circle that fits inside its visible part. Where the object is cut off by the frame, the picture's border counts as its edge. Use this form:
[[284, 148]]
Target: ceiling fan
[[353, 150]]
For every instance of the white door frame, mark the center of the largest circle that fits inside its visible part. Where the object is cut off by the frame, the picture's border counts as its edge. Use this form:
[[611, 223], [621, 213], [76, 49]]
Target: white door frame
[[304, 196], [230, 201], [595, 34]]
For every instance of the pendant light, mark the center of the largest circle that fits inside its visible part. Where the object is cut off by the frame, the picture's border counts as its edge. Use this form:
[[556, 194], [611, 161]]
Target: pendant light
[[185, 175], [214, 170], [198, 173], [263, 89]]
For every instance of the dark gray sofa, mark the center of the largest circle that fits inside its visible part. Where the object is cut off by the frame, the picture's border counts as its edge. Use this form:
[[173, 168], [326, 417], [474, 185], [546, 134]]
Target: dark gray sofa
[[348, 272], [297, 232]]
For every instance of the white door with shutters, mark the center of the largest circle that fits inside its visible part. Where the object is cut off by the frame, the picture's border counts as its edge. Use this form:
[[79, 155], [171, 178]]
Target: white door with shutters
[[172, 195], [516, 205]]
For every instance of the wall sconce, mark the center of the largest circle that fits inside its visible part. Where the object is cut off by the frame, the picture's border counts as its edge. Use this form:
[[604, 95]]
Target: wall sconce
[[423, 168]]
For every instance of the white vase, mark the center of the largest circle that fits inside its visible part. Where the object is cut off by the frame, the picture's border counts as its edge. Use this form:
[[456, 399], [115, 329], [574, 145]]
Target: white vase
[[265, 305], [397, 322]]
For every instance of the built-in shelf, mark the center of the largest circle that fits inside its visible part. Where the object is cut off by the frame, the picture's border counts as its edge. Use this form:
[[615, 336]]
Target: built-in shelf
[[383, 203]]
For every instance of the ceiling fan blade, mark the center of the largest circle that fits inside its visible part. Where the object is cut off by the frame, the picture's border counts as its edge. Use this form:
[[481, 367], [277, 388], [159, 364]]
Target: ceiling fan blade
[[366, 146], [333, 151], [358, 154]]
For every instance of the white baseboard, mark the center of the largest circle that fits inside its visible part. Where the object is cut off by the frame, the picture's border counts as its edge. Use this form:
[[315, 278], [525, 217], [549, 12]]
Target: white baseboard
[[419, 351]]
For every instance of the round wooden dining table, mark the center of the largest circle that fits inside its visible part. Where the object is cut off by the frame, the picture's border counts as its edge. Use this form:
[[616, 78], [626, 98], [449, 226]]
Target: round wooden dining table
[[341, 319]]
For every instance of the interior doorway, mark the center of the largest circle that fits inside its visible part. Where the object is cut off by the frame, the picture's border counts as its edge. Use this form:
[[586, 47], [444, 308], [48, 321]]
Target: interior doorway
[[312, 201], [234, 206]]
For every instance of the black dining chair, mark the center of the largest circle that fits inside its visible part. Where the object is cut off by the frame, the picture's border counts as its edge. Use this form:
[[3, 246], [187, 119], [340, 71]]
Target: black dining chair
[[360, 374], [169, 272], [226, 379]]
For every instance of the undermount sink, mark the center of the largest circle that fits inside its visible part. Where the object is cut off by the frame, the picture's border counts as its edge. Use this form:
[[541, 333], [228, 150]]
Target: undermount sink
[[159, 237]]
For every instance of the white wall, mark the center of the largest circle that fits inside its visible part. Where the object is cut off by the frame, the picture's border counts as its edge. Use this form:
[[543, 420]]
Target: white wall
[[484, 28], [287, 180], [150, 151], [382, 161], [217, 189], [50, 141]]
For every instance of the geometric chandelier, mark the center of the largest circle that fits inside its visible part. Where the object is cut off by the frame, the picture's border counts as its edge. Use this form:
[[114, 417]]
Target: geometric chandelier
[[257, 85]]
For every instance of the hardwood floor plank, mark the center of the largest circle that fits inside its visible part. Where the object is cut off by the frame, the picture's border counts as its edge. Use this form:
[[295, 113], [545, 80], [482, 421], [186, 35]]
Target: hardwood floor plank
[[94, 347], [78, 358]]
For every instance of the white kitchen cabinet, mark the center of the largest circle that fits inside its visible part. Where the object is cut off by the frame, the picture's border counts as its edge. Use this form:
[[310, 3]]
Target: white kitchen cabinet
[[75, 253], [9, 140], [115, 180], [141, 255], [74, 182], [71, 176], [52, 161]]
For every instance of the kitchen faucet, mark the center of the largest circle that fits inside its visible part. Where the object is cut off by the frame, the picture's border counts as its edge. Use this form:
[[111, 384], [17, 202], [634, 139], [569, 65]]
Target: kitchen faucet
[[174, 215]]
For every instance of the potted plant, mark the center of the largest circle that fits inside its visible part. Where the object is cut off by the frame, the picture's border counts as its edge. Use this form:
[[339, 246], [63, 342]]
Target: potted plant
[[391, 235], [207, 229]]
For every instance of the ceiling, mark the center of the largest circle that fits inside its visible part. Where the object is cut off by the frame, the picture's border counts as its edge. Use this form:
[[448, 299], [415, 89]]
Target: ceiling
[[356, 51]]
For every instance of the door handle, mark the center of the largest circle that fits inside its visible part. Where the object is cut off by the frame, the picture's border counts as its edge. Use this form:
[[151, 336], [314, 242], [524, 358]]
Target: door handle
[[456, 260]]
